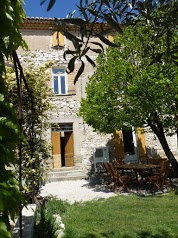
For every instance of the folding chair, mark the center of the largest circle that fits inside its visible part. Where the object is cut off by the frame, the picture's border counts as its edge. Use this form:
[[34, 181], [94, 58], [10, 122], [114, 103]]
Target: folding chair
[[117, 178], [159, 179], [120, 161]]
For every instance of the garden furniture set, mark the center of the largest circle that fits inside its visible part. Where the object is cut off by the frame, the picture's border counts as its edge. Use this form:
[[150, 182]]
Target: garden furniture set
[[125, 175]]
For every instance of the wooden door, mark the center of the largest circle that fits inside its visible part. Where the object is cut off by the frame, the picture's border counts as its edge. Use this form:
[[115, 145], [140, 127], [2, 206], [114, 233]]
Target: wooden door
[[56, 150], [69, 149]]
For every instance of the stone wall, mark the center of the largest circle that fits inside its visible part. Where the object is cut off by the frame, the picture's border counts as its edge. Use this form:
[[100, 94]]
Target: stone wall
[[64, 106], [154, 147], [40, 57], [91, 140]]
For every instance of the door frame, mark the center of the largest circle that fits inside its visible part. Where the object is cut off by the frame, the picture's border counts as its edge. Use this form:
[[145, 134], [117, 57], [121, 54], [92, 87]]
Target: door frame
[[67, 158]]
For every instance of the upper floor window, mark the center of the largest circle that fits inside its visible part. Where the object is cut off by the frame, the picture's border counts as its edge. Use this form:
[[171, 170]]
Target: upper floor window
[[59, 81]]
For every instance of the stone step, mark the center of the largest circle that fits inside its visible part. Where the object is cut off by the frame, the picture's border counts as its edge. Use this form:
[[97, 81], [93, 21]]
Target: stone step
[[66, 169], [67, 178], [63, 174]]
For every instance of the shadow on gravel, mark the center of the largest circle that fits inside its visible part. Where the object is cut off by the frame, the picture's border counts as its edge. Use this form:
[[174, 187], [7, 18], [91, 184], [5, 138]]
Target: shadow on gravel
[[100, 183]]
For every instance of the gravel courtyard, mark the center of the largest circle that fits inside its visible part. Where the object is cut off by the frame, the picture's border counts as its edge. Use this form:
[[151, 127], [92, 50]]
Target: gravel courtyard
[[75, 191]]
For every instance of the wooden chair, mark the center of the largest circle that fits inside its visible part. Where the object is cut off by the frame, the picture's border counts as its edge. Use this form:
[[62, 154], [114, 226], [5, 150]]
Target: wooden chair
[[106, 166], [156, 160], [120, 161], [143, 177], [117, 178], [108, 178], [158, 179]]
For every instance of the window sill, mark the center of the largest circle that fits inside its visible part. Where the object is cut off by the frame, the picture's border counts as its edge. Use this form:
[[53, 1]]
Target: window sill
[[62, 95]]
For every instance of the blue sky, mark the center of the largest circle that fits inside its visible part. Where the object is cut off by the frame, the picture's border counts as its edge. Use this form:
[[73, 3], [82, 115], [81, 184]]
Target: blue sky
[[60, 9]]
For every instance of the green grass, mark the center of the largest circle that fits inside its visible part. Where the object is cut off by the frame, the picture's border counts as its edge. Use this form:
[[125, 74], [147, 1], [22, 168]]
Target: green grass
[[120, 217], [124, 217]]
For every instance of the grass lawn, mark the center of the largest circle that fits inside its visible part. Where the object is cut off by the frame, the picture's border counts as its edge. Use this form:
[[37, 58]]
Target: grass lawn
[[120, 217]]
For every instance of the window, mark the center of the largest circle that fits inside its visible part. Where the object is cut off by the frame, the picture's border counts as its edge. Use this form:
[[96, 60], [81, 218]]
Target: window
[[59, 81]]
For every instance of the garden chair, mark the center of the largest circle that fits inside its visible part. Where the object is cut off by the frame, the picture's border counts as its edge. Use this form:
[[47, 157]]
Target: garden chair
[[117, 178], [156, 160], [158, 179], [120, 161], [108, 178]]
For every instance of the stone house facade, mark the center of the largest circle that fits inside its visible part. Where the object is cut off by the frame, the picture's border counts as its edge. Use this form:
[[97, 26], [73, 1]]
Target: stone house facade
[[73, 142]]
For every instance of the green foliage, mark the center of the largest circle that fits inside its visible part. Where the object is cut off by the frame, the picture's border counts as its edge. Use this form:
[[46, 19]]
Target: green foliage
[[11, 17], [3, 229], [127, 90], [35, 104], [10, 195], [56, 206], [45, 222], [100, 106]]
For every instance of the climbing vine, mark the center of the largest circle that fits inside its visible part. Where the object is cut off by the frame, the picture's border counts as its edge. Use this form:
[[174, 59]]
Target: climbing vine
[[35, 104], [11, 17]]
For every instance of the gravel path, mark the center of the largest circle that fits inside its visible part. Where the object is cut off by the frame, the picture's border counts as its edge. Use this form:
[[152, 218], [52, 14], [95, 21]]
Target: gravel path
[[75, 191]]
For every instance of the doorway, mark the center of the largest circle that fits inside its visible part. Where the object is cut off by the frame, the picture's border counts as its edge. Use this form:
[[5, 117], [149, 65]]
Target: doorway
[[130, 145], [62, 145]]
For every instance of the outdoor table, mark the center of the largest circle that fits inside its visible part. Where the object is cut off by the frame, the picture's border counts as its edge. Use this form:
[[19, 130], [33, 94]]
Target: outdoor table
[[136, 168]]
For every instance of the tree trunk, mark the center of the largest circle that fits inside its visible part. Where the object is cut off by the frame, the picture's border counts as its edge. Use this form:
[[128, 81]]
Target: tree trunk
[[158, 130]]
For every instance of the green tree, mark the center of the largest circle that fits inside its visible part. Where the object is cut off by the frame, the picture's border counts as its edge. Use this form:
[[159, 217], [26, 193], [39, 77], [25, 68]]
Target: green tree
[[11, 17], [127, 89], [36, 104]]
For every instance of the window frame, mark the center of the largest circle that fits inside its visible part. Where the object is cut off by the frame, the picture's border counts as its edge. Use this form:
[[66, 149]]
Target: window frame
[[59, 80]]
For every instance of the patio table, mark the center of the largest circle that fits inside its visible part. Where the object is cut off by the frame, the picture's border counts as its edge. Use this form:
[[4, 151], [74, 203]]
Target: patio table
[[136, 168]]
